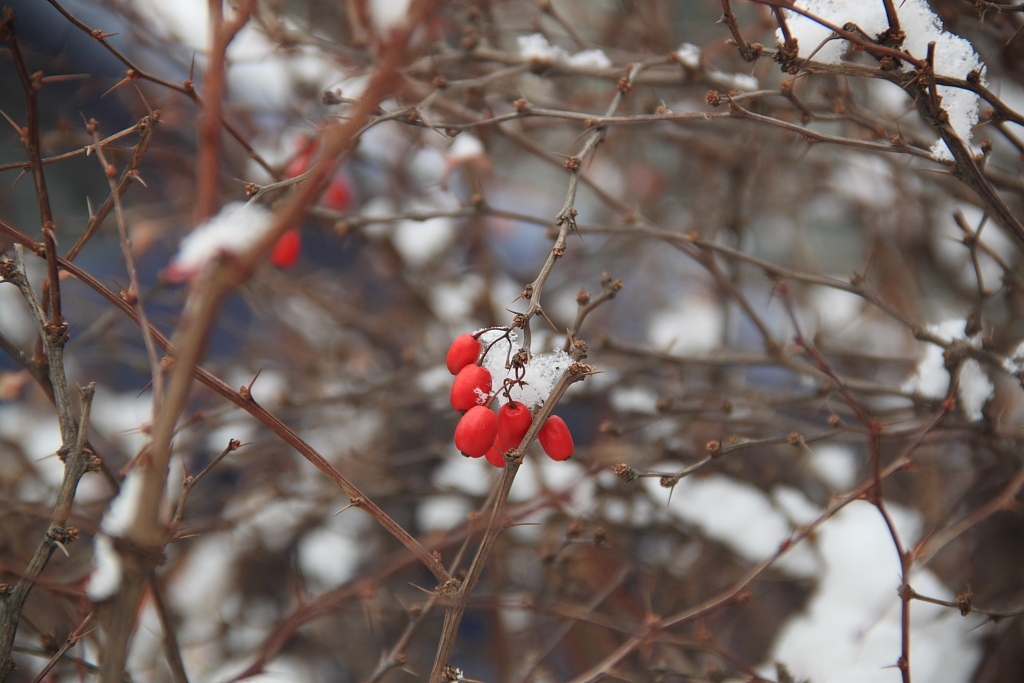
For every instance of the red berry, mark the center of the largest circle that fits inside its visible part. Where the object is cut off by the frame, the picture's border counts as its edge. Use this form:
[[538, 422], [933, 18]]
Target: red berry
[[496, 454], [300, 162], [555, 439], [298, 165], [286, 249], [463, 351], [475, 433], [472, 387], [514, 421], [337, 196]]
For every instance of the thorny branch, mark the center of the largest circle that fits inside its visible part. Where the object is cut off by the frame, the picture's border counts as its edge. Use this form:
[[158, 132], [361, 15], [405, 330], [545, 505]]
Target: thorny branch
[[705, 397], [30, 138], [77, 461]]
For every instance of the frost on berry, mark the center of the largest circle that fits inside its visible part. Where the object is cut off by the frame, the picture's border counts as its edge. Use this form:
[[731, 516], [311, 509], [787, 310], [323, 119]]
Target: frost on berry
[[465, 349], [472, 387], [542, 371], [555, 439], [476, 431], [514, 421]]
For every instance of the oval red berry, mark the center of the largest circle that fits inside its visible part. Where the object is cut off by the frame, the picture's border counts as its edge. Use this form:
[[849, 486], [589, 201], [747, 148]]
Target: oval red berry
[[463, 351], [475, 433], [299, 164], [337, 196], [472, 387], [514, 421], [555, 439], [286, 249], [496, 454]]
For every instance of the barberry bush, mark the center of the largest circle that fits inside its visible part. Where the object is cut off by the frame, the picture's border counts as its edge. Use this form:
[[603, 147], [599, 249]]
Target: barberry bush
[[504, 340]]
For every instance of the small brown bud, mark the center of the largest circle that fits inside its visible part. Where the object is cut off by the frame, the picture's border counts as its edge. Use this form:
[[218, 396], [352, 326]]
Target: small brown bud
[[965, 601], [611, 429], [577, 369], [470, 39], [331, 97], [625, 472]]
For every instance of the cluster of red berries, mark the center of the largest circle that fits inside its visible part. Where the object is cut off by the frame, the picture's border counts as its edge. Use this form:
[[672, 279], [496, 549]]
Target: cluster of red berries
[[337, 196], [482, 433]]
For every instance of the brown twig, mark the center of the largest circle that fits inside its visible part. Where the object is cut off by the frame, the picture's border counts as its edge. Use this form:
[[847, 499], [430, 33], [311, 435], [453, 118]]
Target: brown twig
[[208, 158], [167, 622], [52, 336], [130, 174], [69, 642], [132, 295], [31, 85], [76, 463], [83, 151], [747, 51]]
